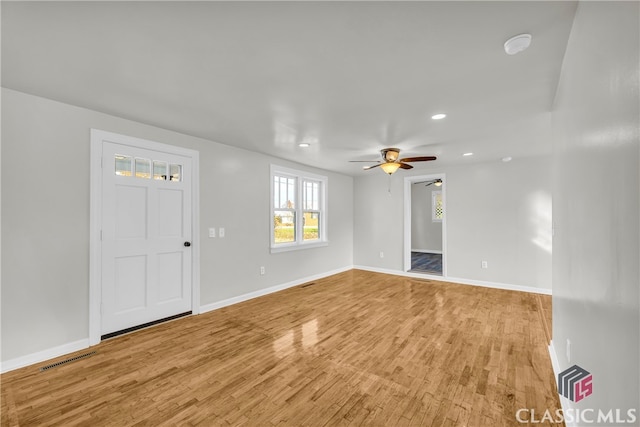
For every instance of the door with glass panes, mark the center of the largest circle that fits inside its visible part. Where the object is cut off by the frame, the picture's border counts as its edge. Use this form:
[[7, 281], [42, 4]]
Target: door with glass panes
[[145, 237]]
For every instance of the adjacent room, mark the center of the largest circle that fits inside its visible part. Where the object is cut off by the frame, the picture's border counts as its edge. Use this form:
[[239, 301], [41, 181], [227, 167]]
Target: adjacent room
[[320, 213]]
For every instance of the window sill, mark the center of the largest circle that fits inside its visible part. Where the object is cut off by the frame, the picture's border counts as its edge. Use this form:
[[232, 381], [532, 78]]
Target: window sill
[[297, 246]]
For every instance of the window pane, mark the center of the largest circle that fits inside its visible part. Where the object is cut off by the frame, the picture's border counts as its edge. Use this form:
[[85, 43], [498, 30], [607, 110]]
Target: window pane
[[284, 192], [159, 170], [438, 208], [123, 165], [284, 226], [143, 168], [311, 224], [311, 192], [175, 171]]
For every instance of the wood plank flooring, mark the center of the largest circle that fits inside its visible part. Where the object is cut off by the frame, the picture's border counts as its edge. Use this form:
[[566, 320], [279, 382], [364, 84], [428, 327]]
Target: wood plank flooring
[[357, 348]]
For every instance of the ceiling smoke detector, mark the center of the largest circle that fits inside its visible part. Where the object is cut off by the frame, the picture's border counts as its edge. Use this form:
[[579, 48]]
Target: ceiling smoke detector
[[517, 44]]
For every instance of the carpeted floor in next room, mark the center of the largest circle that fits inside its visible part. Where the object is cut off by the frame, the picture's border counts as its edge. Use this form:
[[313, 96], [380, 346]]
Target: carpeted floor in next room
[[426, 263]]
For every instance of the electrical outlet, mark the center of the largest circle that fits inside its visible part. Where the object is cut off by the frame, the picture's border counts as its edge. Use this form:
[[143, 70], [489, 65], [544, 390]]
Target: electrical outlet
[[262, 271], [485, 264], [568, 350], [381, 254], [212, 232], [221, 232]]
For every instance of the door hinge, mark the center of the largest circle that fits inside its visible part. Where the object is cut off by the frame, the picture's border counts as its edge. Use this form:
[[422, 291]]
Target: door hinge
[[100, 235]]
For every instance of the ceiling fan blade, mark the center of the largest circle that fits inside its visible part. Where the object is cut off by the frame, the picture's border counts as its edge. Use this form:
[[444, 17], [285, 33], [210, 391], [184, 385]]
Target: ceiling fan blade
[[405, 166], [362, 161], [371, 167], [428, 183], [418, 159]]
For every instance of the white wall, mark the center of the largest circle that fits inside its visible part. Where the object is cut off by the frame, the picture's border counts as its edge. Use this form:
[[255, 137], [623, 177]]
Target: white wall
[[595, 203], [426, 234], [497, 212], [45, 220]]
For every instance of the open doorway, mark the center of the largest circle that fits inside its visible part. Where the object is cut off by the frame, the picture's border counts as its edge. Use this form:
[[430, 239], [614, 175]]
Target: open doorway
[[425, 225]]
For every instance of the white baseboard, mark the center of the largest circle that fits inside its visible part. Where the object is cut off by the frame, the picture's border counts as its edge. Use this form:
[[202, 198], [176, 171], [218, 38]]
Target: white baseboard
[[270, 290], [427, 251], [41, 356], [554, 361], [496, 285], [458, 280], [565, 403]]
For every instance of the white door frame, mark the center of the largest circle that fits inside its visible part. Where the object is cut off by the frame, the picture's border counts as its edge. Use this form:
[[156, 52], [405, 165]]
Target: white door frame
[[408, 182], [95, 221]]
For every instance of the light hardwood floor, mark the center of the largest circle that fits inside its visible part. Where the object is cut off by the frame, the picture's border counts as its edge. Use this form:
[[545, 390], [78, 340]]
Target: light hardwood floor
[[357, 348]]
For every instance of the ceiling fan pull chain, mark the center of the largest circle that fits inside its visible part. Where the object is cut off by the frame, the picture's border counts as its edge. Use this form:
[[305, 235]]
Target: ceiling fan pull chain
[[389, 185]]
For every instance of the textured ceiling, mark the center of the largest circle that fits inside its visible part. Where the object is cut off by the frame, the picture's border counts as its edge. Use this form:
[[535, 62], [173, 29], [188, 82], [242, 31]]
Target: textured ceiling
[[348, 77]]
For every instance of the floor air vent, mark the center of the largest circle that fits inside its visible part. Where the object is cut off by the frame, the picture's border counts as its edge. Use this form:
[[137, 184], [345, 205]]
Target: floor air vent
[[64, 362], [306, 285]]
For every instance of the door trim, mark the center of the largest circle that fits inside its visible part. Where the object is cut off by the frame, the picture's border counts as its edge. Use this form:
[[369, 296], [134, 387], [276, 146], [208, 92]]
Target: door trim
[[408, 181], [95, 221]]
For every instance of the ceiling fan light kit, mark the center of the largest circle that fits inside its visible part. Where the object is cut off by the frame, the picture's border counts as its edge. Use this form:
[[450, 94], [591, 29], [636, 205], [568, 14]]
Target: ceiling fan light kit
[[390, 167]]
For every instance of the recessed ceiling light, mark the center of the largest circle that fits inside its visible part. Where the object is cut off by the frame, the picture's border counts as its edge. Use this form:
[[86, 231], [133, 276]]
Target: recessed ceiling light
[[304, 144], [438, 116], [506, 159], [468, 154], [517, 44]]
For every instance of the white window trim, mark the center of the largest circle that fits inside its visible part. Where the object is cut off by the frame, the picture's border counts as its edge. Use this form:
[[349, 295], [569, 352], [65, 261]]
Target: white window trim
[[324, 191]]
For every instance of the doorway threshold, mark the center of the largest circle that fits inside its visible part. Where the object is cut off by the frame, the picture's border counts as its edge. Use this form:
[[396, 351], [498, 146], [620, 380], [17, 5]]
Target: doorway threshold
[[432, 273], [144, 325]]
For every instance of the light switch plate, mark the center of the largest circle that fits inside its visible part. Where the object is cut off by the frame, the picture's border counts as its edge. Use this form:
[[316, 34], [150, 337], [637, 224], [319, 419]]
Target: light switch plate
[[212, 232], [221, 232]]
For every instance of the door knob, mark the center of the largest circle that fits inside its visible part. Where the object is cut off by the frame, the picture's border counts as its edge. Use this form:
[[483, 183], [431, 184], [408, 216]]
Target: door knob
[[187, 244]]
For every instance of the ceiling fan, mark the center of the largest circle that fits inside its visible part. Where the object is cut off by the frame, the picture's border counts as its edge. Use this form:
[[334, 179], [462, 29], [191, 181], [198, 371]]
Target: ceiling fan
[[390, 162], [436, 182]]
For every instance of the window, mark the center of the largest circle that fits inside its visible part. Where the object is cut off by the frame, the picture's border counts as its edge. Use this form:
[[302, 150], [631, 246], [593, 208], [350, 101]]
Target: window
[[437, 209], [123, 165], [310, 210], [142, 168], [159, 170], [298, 209]]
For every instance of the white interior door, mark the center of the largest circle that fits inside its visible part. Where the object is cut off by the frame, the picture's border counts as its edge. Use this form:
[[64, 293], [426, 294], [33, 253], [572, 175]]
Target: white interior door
[[146, 236]]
